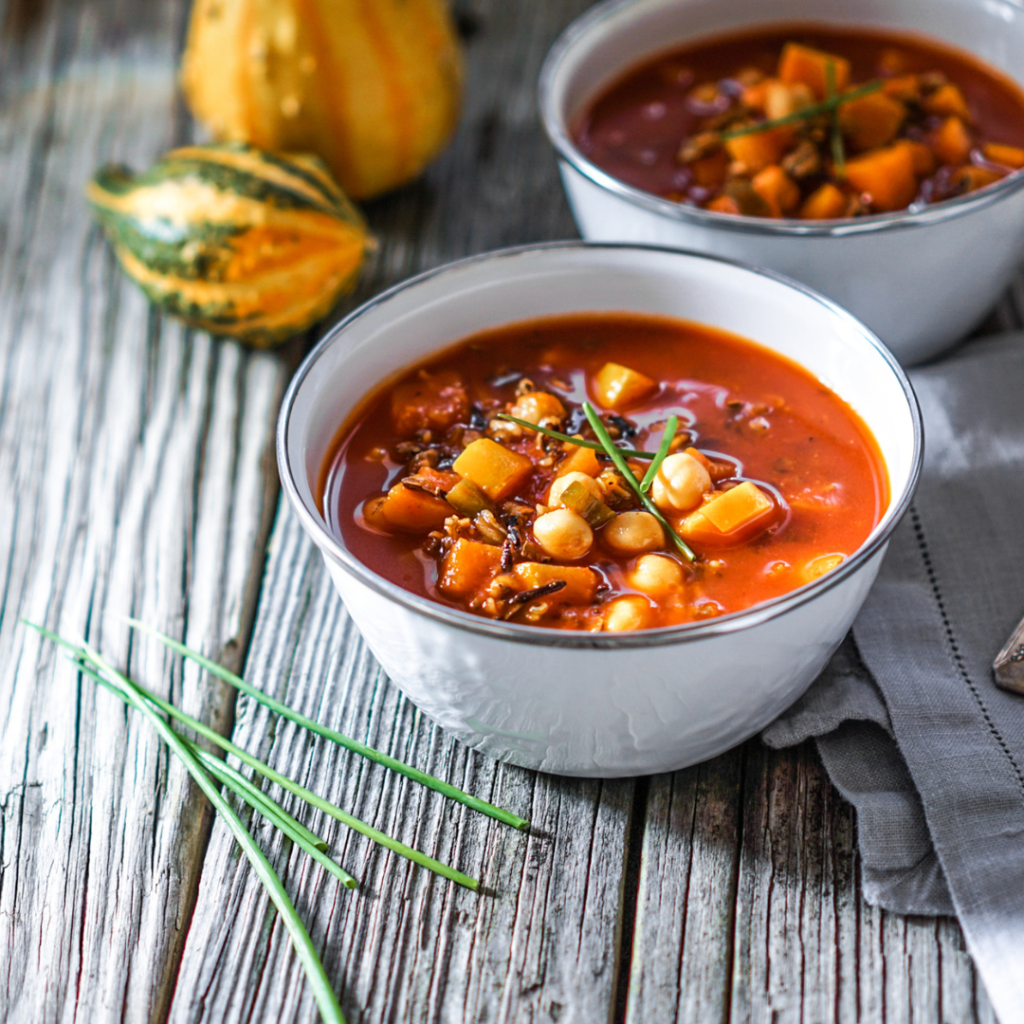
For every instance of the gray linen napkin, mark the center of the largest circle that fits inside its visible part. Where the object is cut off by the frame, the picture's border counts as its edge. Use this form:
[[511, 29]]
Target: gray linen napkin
[[908, 721]]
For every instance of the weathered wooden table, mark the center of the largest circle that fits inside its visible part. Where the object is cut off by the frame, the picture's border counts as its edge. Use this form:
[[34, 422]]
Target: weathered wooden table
[[137, 476]]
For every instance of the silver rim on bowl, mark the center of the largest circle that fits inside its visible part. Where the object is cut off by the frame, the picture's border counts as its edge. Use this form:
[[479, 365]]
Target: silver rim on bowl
[[555, 128], [763, 612]]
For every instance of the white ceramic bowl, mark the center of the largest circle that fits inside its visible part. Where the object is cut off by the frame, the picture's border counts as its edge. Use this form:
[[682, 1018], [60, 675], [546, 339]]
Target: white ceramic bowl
[[592, 703], [920, 281]]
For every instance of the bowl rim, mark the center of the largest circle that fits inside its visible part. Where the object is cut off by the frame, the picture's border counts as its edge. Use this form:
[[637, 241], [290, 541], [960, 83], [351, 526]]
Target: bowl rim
[[733, 622], [557, 132]]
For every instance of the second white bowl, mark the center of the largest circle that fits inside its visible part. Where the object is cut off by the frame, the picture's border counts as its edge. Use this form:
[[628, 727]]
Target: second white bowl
[[920, 281]]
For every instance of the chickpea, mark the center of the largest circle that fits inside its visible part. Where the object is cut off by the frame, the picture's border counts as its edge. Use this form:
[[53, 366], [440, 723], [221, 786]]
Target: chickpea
[[538, 405], [563, 534], [656, 574], [558, 487], [627, 613], [680, 483], [631, 533]]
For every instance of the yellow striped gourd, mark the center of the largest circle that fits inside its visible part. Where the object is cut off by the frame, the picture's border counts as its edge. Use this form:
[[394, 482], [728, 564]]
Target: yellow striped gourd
[[232, 239], [373, 87]]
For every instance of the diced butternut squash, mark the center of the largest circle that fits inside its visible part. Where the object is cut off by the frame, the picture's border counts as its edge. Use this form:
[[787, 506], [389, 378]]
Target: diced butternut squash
[[777, 189], [729, 517], [800, 63], [903, 87], [724, 204], [467, 568], [1008, 156], [887, 176], [972, 178], [434, 402], [951, 141], [404, 510], [581, 583], [617, 386], [921, 156], [825, 203], [757, 150], [498, 471], [871, 121], [948, 101], [709, 171], [579, 460]]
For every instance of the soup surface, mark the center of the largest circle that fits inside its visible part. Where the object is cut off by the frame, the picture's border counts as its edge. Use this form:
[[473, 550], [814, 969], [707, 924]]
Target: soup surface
[[768, 478], [906, 122]]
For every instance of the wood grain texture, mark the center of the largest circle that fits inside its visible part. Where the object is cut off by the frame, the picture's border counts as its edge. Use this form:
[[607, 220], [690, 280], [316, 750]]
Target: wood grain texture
[[137, 476], [134, 461]]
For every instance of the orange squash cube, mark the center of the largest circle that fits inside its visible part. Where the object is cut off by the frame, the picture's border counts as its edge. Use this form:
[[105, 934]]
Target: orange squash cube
[[758, 150], [724, 204], [581, 583], [709, 171], [921, 156], [886, 175], [579, 460], [975, 177], [404, 510], [951, 141], [617, 386], [871, 121], [947, 100], [804, 64], [729, 517], [1008, 156], [903, 87], [825, 203], [777, 189], [467, 568], [498, 471]]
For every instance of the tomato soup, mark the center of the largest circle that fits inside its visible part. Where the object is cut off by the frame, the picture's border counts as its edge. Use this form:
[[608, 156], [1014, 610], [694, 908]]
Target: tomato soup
[[484, 478], [808, 122]]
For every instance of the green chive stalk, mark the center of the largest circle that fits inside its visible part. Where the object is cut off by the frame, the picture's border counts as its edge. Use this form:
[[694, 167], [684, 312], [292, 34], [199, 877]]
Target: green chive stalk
[[615, 454], [666, 440], [827, 107], [578, 441], [838, 153], [432, 782], [326, 1001]]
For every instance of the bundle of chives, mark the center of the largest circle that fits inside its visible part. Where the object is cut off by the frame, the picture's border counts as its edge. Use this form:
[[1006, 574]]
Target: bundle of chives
[[209, 771]]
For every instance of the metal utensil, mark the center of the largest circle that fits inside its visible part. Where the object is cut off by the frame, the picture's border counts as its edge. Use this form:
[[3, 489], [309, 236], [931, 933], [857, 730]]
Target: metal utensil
[[1009, 664]]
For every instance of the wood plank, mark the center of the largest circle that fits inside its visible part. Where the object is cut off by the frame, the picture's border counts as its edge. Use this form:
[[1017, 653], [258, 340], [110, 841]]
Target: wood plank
[[543, 943], [135, 459]]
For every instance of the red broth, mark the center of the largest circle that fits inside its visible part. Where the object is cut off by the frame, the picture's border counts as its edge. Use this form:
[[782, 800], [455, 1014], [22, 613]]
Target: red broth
[[639, 129], [749, 413]]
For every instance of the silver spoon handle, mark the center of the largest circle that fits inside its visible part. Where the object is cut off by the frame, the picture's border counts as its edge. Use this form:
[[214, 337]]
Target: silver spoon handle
[[1009, 664]]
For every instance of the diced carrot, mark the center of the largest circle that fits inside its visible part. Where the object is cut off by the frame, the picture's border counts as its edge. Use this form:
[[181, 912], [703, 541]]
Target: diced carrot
[[495, 469], [432, 403], [404, 510], [758, 150], [903, 87], [871, 121], [579, 460], [581, 583], [825, 203], [777, 189], [709, 171], [886, 175], [617, 386], [468, 567], [951, 142], [724, 204], [729, 517], [947, 100], [800, 63], [1008, 156], [921, 156], [975, 177]]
